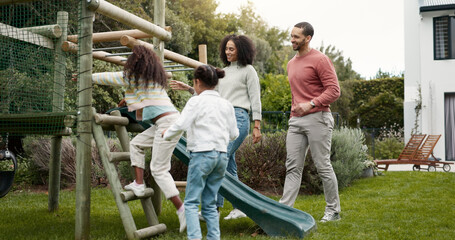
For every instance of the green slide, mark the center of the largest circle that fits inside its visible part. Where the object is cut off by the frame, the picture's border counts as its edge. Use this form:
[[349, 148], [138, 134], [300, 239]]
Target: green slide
[[274, 218]]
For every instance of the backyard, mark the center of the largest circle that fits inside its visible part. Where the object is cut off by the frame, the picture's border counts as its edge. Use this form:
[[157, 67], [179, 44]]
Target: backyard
[[395, 205]]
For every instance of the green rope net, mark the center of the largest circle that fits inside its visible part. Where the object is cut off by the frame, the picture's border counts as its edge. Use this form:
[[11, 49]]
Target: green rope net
[[33, 68]]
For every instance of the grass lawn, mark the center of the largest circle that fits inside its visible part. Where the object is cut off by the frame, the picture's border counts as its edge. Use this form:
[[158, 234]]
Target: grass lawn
[[397, 205]]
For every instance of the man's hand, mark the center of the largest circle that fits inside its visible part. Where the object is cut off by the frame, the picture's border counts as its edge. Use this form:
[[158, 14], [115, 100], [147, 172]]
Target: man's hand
[[302, 108]]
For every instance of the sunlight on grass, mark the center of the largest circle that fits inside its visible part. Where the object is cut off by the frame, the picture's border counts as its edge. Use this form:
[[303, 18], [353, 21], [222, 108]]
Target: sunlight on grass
[[398, 205]]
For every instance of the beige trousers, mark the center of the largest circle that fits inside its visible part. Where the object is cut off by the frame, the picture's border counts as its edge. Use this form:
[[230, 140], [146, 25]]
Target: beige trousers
[[312, 131], [162, 150]]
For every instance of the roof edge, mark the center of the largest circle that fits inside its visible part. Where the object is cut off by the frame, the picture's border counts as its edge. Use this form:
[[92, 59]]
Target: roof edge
[[437, 8]]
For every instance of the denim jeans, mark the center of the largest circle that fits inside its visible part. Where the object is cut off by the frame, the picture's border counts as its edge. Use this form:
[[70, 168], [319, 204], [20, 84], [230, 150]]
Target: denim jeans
[[243, 124], [205, 173]]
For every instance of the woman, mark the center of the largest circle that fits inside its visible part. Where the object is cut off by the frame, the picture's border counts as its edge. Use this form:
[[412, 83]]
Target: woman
[[145, 81], [241, 88]]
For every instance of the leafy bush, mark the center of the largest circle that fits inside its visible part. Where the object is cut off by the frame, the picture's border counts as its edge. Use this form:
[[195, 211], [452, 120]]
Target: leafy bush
[[348, 155], [38, 150], [262, 165], [390, 143], [275, 93]]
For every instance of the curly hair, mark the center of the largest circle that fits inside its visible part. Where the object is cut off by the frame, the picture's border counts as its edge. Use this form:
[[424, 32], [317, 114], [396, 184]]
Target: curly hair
[[245, 49], [145, 64]]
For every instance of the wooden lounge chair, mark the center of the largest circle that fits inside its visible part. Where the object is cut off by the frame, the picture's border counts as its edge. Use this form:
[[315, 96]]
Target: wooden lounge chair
[[422, 156], [407, 155]]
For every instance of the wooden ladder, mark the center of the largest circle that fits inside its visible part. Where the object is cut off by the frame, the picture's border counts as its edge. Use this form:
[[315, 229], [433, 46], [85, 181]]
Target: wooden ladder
[[123, 197]]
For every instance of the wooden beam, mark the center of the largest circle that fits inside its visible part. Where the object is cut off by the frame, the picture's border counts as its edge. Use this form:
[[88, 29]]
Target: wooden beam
[[129, 19], [26, 36], [7, 2], [100, 55], [131, 42], [114, 35], [50, 31]]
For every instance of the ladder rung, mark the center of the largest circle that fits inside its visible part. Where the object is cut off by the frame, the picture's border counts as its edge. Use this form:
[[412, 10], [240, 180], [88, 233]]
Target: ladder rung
[[150, 231], [119, 156], [111, 120], [129, 195]]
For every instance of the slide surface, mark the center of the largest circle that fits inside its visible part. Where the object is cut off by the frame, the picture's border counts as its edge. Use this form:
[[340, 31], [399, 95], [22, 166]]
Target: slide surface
[[274, 218]]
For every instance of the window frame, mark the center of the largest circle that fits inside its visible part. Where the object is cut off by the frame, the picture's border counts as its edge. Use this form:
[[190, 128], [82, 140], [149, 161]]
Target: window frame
[[450, 36]]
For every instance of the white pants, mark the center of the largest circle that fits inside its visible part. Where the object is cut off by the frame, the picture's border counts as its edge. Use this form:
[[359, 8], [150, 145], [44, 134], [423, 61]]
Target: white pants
[[162, 150]]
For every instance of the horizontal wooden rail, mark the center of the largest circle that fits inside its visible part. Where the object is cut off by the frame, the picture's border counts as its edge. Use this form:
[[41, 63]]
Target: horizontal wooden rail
[[109, 10]]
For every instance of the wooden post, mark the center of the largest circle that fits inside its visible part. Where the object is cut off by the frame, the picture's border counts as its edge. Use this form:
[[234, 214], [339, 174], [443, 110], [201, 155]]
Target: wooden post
[[57, 106], [84, 123], [159, 21], [129, 19], [203, 53], [131, 42]]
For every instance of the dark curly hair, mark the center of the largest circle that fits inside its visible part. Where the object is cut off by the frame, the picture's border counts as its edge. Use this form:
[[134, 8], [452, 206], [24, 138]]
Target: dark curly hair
[[145, 64], [245, 49], [209, 75]]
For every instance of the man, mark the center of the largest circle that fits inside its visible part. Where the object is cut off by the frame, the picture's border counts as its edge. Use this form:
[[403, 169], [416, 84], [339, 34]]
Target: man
[[314, 86]]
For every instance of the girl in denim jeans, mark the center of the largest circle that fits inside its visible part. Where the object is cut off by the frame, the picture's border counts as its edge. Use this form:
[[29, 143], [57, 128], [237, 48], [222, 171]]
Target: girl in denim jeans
[[210, 123]]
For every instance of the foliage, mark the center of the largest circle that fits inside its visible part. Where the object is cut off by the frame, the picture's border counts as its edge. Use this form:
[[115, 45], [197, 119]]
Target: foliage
[[390, 142], [275, 93], [38, 150], [383, 109], [262, 165], [365, 94], [343, 67], [348, 155]]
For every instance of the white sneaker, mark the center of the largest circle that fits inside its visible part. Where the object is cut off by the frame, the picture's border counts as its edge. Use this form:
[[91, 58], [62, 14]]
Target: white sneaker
[[138, 189], [234, 214], [182, 220], [201, 218], [328, 217]]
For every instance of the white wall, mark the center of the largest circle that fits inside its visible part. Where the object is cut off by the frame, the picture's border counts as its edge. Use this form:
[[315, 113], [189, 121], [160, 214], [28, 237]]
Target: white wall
[[434, 77], [411, 64]]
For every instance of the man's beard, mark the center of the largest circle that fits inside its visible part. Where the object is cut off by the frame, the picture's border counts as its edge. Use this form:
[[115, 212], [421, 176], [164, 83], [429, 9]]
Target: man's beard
[[300, 45]]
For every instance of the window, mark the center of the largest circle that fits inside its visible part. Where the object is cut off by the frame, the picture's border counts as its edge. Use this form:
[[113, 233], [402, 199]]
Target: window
[[444, 37]]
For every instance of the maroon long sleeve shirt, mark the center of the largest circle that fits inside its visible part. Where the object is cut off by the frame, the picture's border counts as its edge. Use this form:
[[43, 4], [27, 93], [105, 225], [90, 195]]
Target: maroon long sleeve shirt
[[313, 77]]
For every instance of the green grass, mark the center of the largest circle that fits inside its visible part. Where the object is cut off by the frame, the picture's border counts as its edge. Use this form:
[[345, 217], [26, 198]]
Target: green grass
[[398, 205]]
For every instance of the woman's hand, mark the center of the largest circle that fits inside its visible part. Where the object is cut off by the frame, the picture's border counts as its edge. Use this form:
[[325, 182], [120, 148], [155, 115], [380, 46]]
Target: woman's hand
[[256, 135], [122, 103], [257, 131], [177, 85]]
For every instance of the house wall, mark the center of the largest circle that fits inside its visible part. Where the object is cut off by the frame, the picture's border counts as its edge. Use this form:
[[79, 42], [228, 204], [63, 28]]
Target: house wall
[[434, 77]]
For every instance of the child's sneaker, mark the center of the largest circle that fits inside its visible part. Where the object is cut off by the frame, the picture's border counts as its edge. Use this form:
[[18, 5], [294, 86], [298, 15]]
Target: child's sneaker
[[234, 214], [138, 189], [182, 220]]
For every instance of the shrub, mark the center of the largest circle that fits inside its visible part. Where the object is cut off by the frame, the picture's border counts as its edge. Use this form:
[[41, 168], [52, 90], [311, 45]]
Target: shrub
[[38, 150], [262, 165], [390, 143], [348, 155]]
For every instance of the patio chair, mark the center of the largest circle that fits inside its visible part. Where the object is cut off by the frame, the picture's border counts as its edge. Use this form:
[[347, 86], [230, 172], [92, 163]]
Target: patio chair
[[422, 156], [407, 155]]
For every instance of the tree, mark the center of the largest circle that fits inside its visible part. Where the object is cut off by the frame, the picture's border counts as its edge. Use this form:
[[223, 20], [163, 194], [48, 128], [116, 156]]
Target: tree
[[343, 67]]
